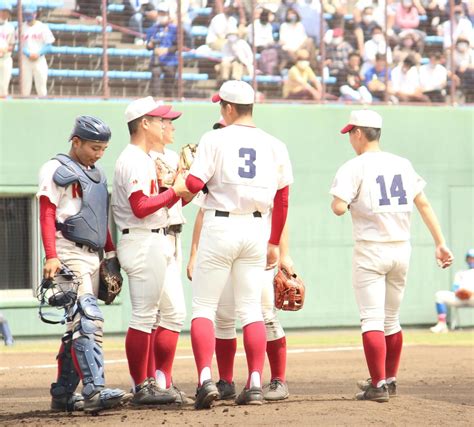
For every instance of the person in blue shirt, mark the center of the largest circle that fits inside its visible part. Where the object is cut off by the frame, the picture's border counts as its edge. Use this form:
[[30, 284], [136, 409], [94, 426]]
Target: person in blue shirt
[[162, 39], [375, 78]]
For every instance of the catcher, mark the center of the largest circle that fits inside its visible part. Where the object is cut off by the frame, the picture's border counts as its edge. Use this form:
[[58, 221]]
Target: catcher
[[462, 294], [73, 202]]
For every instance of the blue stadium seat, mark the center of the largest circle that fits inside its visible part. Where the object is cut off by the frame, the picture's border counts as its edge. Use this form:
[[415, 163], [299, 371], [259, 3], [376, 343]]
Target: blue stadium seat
[[115, 8], [434, 40], [203, 11], [42, 4], [198, 31]]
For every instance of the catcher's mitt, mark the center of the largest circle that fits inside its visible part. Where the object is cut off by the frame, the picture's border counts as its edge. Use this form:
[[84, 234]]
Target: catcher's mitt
[[463, 294], [289, 291], [164, 173], [111, 280], [186, 156]]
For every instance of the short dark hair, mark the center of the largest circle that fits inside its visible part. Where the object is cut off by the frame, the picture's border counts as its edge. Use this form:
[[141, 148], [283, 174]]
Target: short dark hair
[[409, 61], [242, 109], [376, 27], [354, 53], [372, 134], [380, 57]]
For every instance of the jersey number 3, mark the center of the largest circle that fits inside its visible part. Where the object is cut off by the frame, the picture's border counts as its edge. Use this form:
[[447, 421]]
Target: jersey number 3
[[396, 190], [250, 169]]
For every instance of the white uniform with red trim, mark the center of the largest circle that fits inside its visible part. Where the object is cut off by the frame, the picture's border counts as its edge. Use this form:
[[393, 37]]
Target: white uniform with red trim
[[243, 167], [7, 39], [35, 37], [144, 252], [380, 188], [68, 202], [171, 312]]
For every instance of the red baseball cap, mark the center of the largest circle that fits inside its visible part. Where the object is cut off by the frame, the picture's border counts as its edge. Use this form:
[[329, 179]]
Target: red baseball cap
[[149, 107]]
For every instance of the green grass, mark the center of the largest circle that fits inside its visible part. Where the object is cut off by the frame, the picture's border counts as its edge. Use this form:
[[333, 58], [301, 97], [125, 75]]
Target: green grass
[[295, 339]]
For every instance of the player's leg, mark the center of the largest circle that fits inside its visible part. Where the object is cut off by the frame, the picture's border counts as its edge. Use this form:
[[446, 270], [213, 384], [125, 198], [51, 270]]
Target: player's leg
[[171, 320], [247, 279], [27, 79], [277, 389], [40, 76], [144, 257], [443, 299], [368, 278], [62, 391], [395, 288], [5, 330], [226, 343], [5, 75], [213, 264]]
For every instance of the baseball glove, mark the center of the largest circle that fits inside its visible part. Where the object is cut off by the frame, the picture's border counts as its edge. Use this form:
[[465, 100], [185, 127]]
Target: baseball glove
[[164, 173], [289, 291], [186, 156], [110, 283], [463, 294]]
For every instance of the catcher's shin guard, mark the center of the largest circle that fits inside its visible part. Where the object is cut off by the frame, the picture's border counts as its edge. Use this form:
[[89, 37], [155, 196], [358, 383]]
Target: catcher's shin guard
[[88, 345], [62, 391]]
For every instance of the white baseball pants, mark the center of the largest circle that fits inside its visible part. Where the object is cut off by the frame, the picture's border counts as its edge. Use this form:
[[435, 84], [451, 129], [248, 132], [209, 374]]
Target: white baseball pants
[[379, 273], [6, 65], [37, 71], [232, 248], [145, 257]]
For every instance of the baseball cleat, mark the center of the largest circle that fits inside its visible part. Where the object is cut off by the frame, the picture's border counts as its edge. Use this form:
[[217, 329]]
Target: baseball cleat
[[180, 396], [276, 390], [250, 396], [106, 398], [148, 393], [440, 328], [226, 390], [71, 403], [392, 387], [205, 395], [374, 394]]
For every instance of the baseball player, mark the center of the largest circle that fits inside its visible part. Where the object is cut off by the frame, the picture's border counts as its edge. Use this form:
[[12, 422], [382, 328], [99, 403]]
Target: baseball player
[[7, 43], [226, 341], [73, 191], [5, 330], [170, 317], [245, 171], [37, 39], [380, 190], [462, 294], [140, 211]]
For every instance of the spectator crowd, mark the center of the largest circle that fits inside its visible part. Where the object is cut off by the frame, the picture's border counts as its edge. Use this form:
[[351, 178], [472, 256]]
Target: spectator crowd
[[363, 50]]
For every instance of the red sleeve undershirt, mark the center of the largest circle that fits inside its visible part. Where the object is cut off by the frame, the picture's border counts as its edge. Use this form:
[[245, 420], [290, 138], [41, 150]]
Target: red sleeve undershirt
[[280, 211], [48, 226], [143, 206], [48, 229], [194, 184]]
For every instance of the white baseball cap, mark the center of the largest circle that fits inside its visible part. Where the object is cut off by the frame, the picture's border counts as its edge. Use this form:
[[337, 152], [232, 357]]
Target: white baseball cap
[[236, 92], [149, 107], [363, 118]]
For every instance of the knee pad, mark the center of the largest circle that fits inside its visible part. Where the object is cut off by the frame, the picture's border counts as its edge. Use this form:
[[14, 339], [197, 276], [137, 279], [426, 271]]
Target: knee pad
[[87, 345]]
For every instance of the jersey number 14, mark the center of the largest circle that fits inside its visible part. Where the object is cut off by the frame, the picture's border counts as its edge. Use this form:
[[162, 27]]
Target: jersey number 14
[[396, 191]]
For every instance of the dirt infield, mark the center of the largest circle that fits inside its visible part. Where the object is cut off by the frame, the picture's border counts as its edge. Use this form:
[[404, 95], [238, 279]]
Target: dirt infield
[[436, 386]]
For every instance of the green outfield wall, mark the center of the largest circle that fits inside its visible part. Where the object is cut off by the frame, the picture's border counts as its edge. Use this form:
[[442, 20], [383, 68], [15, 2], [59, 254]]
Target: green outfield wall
[[438, 140]]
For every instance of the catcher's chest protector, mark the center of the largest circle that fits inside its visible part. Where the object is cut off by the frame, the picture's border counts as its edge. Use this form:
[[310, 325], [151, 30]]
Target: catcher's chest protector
[[89, 225]]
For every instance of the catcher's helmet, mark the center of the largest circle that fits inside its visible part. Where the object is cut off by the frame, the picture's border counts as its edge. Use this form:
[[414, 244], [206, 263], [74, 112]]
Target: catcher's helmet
[[91, 129], [60, 293]]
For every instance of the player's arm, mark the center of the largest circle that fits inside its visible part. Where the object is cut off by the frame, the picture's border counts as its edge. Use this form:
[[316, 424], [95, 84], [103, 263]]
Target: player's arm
[[443, 254], [279, 214], [48, 235], [339, 206], [143, 205], [195, 243], [285, 260]]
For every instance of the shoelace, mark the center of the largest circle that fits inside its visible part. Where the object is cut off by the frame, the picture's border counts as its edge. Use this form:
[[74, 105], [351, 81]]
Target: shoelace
[[274, 385]]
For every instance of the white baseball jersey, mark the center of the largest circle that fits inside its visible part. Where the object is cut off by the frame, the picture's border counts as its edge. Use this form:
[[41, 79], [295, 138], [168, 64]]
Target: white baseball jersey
[[380, 188], [68, 200], [7, 38], [36, 36], [171, 158], [135, 171], [465, 279], [243, 167]]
